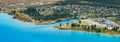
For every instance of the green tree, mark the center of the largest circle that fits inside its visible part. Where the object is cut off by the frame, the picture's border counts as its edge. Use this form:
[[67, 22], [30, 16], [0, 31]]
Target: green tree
[[0, 9], [31, 9], [14, 11], [73, 25], [115, 28], [60, 25], [78, 25], [98, 30], [67, 23], [93, 27], [80, 21]]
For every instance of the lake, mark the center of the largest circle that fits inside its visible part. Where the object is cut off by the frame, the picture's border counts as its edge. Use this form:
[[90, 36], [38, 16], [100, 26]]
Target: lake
[[13, 30]]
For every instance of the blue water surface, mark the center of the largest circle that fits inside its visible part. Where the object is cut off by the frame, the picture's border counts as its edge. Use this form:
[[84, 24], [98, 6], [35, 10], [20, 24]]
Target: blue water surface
[[13, 30]]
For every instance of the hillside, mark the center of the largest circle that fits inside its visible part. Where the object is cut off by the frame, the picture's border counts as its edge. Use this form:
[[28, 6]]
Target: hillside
[[99, 3], [19, 1], [65, 9]]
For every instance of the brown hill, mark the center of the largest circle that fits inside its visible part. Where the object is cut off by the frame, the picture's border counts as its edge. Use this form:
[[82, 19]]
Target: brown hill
[[19, 1]]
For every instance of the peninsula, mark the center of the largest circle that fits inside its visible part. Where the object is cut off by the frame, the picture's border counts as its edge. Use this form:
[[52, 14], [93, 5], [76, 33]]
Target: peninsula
[[98, 25]]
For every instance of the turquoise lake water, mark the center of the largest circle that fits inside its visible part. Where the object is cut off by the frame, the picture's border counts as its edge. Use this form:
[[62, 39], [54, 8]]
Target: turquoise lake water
[[13, 30]]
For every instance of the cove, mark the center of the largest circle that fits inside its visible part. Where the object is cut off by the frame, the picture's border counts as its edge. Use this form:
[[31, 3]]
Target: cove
[[13, 30]]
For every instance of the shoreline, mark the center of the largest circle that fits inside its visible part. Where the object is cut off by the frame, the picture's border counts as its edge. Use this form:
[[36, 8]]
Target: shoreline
[[88, 20], [99, 33], [29, 22], [74, 30], [91, 32]]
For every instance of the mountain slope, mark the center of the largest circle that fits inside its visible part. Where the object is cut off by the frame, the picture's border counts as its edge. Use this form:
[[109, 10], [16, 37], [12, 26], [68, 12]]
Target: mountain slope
[[19, 1]]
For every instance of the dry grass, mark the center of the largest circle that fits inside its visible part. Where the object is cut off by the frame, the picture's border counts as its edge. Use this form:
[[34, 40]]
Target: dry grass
[[20, 1]]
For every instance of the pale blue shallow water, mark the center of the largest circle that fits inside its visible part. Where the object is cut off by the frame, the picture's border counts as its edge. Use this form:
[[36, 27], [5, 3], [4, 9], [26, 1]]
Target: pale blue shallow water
[[13, 30]]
